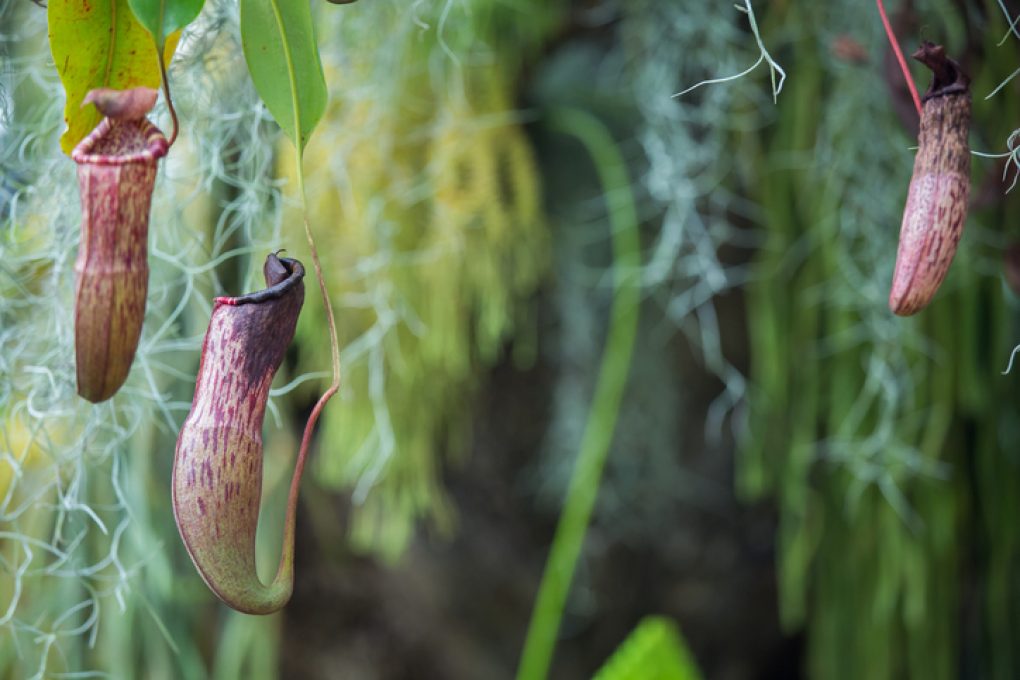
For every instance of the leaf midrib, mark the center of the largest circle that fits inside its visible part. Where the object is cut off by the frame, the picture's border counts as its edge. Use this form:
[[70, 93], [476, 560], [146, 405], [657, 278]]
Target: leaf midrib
[[298, 136], [161, 30]]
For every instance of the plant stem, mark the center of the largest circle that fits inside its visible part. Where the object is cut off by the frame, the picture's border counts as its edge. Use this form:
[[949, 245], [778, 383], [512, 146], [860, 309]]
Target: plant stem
[[334, 344], [333, 337], [334, 387], [160, 48], [616, 358], [899, 56]]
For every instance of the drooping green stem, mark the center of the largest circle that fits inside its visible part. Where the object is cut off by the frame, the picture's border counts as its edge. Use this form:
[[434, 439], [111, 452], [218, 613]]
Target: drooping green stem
[[334, 345], [286, 568], [616, 358]]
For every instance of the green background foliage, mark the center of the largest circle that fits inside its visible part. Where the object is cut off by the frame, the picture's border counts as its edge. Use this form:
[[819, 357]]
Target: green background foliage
[[463, 239]]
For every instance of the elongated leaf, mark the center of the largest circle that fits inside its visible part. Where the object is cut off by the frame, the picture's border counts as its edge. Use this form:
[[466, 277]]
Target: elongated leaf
[[163, 17], [283, 58], [98, 43]]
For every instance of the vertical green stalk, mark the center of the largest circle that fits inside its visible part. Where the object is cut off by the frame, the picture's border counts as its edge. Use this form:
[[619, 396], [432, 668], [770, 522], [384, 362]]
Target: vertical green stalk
[[598, 432]]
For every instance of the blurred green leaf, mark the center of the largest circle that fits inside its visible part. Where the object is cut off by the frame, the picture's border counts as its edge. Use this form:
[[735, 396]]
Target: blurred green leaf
[[654, 650], [283, 57]]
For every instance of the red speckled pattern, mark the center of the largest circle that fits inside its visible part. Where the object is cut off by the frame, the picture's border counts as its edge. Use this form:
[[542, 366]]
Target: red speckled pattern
[[116, 172], [217, 473], [932, 224], [939, 188]]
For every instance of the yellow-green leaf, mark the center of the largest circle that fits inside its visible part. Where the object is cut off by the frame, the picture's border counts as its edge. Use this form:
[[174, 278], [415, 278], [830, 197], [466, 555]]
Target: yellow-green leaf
[[98, 43]]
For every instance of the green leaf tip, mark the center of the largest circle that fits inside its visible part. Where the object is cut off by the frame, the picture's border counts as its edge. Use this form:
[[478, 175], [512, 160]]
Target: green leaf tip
[[282, 53], [163, 17], [654, 650]]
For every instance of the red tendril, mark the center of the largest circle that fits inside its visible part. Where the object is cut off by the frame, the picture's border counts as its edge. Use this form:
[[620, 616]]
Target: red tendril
[[899, 56]]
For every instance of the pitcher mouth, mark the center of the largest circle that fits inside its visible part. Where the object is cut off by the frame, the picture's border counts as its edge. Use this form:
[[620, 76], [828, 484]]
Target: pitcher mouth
[[281, 282], [948, 78], [120, 143]]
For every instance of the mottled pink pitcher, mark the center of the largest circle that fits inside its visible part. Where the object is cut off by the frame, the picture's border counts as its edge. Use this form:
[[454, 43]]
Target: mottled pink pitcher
[[217, 473], [116, 172]]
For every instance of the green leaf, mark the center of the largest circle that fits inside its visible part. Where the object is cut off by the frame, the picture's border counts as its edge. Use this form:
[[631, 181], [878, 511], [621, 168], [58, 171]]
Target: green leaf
[[163, 17], [283, 58], [98, 43], [654, 650]]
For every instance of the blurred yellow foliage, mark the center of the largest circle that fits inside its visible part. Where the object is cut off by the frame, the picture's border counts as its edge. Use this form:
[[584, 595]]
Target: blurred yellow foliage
[[428, 212], [25, 445]]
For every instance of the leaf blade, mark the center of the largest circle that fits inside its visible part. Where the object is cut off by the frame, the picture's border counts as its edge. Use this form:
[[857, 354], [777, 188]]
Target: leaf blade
[[282, 54], [98, 44]]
